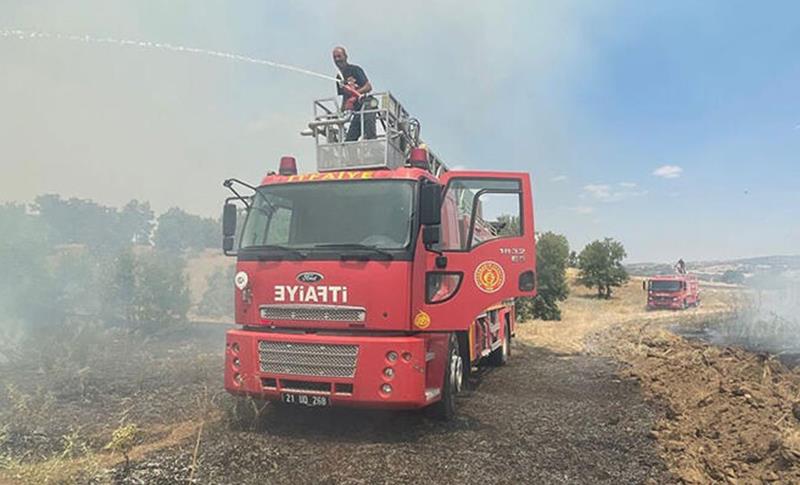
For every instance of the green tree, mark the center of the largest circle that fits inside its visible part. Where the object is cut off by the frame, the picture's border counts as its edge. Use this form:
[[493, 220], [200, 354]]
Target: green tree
[[136, 221], [178, 230], [120, 290], [552, 253], [29, 294], [83, 221], [78, 273], [162, 293], [507, 225], [218, 298], [146, 289], [600, 266]]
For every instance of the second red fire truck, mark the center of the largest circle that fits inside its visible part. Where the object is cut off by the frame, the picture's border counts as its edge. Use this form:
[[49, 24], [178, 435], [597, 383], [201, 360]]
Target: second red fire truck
[[379, 280], [678, 291]]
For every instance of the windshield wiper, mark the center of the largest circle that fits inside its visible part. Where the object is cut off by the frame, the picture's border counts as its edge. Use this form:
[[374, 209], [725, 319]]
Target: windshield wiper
[[366, 247], [278, 247]]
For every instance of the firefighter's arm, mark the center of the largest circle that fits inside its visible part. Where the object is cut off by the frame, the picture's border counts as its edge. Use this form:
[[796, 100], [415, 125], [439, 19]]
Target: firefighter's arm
[[367, 87]]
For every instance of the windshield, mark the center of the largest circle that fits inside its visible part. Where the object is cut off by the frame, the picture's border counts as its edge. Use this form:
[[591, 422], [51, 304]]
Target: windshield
[[376, 214], [665, 285]]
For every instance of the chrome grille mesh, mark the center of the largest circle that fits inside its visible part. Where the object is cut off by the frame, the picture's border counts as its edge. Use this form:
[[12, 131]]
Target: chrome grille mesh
[[331, 313], [321, 360]]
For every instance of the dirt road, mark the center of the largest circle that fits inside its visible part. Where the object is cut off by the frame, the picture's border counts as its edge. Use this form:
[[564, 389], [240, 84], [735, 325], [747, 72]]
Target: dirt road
[[544, 418]]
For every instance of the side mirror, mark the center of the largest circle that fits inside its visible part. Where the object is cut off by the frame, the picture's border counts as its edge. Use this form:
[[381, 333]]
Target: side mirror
[[430, 205], [527, 281], [431, 235], [227, 244], [229, 220]]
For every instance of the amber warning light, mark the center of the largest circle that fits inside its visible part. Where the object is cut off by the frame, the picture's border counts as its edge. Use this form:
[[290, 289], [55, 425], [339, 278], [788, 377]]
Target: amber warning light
[[288, 166]]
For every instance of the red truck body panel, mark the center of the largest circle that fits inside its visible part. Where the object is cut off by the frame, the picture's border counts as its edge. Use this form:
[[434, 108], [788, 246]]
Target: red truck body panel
[[358, 284]]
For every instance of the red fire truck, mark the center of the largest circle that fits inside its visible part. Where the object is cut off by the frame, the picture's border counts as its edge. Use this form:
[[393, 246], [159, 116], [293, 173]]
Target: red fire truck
[[678, 291], [379, 280]]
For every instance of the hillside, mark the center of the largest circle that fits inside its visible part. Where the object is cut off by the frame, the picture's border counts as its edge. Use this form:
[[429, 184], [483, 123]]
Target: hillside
[[744, 270]]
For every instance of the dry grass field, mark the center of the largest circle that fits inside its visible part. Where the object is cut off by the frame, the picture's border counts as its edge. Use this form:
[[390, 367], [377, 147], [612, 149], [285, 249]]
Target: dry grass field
[[727, 415]]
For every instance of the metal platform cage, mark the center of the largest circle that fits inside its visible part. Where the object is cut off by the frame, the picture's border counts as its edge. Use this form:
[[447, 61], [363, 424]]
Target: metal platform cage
[[396, 132]]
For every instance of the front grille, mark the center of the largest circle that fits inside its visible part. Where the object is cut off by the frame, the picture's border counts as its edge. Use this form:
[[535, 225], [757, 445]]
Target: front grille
[[332, 313], [321, 360]]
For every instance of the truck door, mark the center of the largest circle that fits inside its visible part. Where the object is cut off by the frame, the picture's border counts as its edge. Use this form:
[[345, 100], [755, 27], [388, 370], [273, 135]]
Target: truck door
[[487, 251]]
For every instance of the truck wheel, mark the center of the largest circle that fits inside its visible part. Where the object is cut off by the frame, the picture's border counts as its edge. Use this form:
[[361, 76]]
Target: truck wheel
[[685, 305], [445, 409], [244, 413], [499, 356]]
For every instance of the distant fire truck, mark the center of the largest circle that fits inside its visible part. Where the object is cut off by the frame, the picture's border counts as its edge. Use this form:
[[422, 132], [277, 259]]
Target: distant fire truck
[[381, 279], [672, 291]]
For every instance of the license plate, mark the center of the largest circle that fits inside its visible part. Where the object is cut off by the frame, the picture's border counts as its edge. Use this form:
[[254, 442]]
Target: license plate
[[306, 400]]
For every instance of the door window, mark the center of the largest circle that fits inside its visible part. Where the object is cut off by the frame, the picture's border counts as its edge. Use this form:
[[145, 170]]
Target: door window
[[479, 210]]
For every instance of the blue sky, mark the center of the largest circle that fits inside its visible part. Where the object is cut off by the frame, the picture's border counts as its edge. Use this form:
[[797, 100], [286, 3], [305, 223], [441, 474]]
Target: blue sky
[[591, 98]]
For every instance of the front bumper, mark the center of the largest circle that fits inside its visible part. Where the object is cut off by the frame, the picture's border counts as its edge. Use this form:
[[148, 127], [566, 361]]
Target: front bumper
[[272, 363], [672, 305]]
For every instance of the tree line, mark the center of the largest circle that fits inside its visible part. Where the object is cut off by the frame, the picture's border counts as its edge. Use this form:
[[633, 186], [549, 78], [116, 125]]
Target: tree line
[[98, 227], [73, 259], [69, 262], [599, 265]]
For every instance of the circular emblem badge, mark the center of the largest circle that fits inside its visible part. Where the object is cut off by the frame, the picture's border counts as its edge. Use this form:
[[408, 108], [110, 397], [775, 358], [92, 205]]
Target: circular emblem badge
[[241, 280], [489, 276], [422, 320]]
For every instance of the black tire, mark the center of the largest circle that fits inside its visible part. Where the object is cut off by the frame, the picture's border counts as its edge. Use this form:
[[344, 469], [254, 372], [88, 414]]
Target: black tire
[[499, 356], [445, 408], [685, 305], [245, 413]]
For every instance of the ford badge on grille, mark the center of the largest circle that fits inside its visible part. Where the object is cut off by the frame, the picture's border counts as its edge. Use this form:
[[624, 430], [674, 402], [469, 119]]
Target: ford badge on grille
[[309, 277]]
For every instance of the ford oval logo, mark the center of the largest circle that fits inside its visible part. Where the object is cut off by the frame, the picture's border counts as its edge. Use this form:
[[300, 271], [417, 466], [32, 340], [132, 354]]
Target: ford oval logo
[[309, 277]]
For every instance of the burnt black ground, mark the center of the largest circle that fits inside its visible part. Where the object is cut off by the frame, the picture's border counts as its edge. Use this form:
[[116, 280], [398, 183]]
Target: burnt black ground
[[543, 418]]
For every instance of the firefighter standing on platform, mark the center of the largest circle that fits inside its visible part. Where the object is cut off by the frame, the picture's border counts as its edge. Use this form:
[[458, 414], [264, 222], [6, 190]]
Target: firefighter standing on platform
[[352, 80]]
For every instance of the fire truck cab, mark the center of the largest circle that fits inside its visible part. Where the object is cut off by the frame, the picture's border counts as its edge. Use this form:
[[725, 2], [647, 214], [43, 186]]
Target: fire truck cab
[[678, 291], [379, 280]]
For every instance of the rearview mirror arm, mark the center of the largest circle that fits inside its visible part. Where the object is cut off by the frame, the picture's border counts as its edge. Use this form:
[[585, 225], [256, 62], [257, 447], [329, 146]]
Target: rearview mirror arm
[[228, 184]]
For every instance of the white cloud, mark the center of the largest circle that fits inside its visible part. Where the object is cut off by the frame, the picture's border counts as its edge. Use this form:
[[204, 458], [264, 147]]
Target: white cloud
[[598, 191], [668, 171], [559, 178], [606, 193]]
